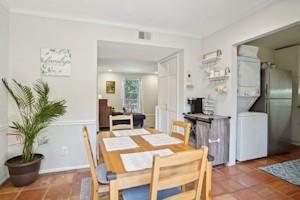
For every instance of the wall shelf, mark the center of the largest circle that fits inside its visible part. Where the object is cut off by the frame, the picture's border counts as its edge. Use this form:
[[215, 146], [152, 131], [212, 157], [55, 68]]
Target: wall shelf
[[209, 61], [211, 58], [219, 78]]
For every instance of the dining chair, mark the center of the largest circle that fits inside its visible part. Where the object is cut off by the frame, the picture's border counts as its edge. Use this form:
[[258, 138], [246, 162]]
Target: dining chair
[[98, 174], [176, 125], [171, 172], [120, 118]]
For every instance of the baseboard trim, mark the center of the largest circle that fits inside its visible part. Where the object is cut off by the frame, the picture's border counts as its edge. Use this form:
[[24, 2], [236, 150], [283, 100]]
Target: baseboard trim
[[62, 169], [296, 143], [45, 171], [2, 180]]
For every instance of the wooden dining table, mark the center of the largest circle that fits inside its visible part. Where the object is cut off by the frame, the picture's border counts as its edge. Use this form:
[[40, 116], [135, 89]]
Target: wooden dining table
[[120, 179]]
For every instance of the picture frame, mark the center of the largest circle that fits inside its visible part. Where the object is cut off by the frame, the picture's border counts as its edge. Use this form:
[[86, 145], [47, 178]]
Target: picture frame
[[55, 62], [110, 87]]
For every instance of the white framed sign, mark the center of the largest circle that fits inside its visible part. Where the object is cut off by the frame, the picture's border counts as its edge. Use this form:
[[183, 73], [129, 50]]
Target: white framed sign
[[55, 62]]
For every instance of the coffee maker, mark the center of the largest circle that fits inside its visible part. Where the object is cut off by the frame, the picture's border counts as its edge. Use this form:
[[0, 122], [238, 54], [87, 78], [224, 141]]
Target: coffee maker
[[196, 105]]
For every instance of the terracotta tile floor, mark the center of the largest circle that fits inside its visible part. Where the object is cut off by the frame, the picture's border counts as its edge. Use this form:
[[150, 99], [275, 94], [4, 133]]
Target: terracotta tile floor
[[243, 181]]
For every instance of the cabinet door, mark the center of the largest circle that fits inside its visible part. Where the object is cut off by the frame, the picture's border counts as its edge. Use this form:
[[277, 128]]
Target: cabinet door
[[219, 141], [202, 134], [172, 94], [163, 93], [163, 122]]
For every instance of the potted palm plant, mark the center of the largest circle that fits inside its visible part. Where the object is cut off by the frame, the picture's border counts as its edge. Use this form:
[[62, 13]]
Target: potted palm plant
[[36, 113]]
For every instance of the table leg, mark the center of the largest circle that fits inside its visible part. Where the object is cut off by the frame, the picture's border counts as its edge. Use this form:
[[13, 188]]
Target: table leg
[[206, 193], [113, 190]]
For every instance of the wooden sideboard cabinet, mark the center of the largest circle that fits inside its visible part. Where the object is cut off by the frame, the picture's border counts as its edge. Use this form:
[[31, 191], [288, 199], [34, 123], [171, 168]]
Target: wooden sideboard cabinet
[[213, 132]]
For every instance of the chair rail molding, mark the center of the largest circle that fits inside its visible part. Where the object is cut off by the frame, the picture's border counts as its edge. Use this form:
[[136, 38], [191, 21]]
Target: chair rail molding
[[73, 122], [3, 127]]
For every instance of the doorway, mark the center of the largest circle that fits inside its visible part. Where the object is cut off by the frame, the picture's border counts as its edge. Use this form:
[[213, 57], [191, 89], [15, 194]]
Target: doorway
[[131, 80], [278, 54]]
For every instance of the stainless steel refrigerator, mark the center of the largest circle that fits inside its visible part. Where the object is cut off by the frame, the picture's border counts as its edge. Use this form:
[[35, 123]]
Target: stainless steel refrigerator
[[276, 101]]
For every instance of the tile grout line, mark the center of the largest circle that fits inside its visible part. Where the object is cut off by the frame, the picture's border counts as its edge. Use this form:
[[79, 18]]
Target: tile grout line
[[44, 196], [19, 192]]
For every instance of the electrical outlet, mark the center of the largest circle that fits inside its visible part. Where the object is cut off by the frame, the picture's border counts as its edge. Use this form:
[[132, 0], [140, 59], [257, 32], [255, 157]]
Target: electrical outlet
[[42, 140], [64, 150]]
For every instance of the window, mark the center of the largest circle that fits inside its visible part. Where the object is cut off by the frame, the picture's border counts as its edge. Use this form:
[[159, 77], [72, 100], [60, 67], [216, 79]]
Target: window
[[132, 97]]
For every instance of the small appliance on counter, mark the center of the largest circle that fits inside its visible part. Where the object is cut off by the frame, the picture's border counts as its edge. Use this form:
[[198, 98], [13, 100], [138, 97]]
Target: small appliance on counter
[[201, 106], [195, 104]]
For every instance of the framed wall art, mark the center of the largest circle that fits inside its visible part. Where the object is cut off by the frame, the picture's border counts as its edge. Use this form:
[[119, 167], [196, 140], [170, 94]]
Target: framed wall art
[[55, 62], [110, 87]]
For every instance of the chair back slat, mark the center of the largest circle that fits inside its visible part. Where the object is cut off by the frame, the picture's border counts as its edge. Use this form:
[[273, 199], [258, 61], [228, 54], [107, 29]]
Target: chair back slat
[[88, 148], [186, 131], [177, 170], [120, 126]]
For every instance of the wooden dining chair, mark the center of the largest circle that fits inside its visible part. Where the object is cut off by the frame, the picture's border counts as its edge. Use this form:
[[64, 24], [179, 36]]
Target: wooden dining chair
[[186, 131], [171, 172], [98, 174], [120, 118]]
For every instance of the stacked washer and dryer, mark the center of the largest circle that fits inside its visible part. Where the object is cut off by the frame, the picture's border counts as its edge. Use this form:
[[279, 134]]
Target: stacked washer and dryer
[[252, 127]]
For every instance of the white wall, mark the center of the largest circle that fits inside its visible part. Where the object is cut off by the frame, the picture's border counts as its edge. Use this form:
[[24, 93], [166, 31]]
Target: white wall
[[126, 65], [4, 38], [266, 55], [149, 92], [275, 16], [30, 33], [289, 58]]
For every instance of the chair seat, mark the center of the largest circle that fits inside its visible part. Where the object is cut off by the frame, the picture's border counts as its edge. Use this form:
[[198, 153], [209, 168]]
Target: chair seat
[[142, 193], [101, 172]]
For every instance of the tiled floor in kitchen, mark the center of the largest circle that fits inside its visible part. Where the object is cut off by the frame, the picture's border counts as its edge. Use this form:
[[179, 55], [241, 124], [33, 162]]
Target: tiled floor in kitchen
[[242, 181]]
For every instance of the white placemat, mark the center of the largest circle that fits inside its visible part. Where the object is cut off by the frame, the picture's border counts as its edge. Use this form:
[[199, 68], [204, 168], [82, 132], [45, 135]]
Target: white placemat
[[142, 160], [119, 143], [161, 139], [140, 131]]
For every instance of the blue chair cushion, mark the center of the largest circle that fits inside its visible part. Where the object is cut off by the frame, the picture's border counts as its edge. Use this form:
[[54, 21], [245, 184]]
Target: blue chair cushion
[[101, 172], [142, 193]]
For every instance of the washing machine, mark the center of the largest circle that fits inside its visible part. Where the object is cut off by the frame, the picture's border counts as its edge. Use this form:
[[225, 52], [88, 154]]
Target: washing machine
[[252, 135]]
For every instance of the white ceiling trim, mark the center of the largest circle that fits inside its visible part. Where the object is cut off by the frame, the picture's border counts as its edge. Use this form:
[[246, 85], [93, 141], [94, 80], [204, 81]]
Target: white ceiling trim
[[100, 22], [4, 4]]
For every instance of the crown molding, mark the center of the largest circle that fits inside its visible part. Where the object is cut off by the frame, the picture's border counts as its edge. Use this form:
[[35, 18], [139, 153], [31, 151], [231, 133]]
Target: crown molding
[[4, 4], [100, 22]]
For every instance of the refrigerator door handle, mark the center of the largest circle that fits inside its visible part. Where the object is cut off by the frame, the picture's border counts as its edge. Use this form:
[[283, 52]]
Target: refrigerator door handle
[[267, 109], [266, 89]]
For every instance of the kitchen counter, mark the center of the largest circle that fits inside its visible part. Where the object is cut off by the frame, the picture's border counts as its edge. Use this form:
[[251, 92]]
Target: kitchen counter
[[203, 117]]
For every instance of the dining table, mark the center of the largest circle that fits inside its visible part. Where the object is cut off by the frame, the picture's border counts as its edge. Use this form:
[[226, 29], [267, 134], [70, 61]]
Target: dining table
[[120, 179]]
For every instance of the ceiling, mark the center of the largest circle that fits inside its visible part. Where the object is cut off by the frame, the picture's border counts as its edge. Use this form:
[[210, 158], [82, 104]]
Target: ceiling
[[126, 51], [130, 58], [126, 66], [281, 39], [195, 18]]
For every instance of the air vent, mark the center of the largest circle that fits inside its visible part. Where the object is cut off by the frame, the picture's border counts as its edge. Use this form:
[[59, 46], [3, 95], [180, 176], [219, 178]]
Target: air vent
[[144, 35]]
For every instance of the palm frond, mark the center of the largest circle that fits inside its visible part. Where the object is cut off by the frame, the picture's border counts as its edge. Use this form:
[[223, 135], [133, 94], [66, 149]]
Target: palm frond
[[36, 111], [11, 92]]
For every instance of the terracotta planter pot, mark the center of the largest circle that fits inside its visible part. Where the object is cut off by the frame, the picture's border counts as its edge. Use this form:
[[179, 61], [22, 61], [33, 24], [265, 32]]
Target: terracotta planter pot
[[22, 174]]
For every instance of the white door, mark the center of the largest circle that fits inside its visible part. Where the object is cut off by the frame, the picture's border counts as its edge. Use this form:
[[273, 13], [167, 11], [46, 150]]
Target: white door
[[167, 92]]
